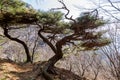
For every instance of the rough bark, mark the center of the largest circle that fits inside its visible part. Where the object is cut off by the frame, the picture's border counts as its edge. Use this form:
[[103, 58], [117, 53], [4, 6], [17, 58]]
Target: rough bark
[[6, 33], [57, 49], [48, 67]]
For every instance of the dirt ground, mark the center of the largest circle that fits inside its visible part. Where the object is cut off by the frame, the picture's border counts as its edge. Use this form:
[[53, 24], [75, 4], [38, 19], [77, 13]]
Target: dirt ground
[[10, 70]]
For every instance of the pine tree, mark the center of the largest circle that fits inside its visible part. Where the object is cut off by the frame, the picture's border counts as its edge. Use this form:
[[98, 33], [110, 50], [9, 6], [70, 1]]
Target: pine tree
[[53, 30]]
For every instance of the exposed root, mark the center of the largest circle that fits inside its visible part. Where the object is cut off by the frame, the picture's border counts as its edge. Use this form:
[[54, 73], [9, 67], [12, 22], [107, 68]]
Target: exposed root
[[44, 70], [45, 73]]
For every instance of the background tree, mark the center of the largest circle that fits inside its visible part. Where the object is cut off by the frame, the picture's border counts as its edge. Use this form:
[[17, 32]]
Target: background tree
[[112, 53], [108, 8]]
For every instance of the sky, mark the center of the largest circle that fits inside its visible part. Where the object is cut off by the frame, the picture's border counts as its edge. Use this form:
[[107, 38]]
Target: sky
[[76, 6], [71, 4]]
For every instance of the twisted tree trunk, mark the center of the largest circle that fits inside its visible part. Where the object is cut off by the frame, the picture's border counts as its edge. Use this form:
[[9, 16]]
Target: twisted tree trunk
[[57, 49], [6, 33], [49, 67]]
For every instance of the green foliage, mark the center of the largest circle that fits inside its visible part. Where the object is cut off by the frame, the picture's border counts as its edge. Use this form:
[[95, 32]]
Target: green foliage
[[95, 43], [88, 21], [52, 21], [16, 11], [13, 6], [50, 17], [86, 27]]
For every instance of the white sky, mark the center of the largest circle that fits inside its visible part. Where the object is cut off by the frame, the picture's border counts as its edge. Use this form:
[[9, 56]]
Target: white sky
[[48, 4], [74, 4]]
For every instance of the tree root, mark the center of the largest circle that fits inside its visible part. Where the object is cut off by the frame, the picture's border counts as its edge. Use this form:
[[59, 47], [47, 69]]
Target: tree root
[[43, 69], [45, 73]]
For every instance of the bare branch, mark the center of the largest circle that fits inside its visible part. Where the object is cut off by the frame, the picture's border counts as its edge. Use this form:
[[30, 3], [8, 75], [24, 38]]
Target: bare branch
[[113, 5], [34, 48], [65, 8], [106, 11], [46, 40]]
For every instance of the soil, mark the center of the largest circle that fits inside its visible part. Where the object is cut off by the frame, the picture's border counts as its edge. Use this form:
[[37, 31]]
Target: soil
[[10, 70]]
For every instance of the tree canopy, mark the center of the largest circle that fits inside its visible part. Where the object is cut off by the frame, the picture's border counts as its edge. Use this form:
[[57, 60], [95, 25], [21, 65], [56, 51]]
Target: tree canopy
[[16, 11], [81, 32]]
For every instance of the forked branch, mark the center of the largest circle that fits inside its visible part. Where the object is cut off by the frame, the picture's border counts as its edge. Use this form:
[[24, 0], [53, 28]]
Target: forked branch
[[65, 8]]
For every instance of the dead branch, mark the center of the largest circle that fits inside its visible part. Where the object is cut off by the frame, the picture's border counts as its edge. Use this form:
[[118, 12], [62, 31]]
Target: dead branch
[[113, 5], [65, 8]]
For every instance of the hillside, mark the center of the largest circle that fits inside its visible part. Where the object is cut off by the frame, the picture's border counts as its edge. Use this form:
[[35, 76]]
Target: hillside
[[10, 70]]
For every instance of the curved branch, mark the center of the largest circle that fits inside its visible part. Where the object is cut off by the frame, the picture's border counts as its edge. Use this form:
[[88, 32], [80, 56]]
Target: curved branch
[[47, 41], [65, 8], [113, 5], [68, 11], [6, 30]]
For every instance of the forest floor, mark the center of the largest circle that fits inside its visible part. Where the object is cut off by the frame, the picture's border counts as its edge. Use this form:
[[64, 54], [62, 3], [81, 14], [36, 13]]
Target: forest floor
[[10, 70]]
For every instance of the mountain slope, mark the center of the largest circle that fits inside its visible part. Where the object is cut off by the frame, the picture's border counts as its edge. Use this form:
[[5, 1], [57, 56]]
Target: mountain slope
[[10, 70]]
